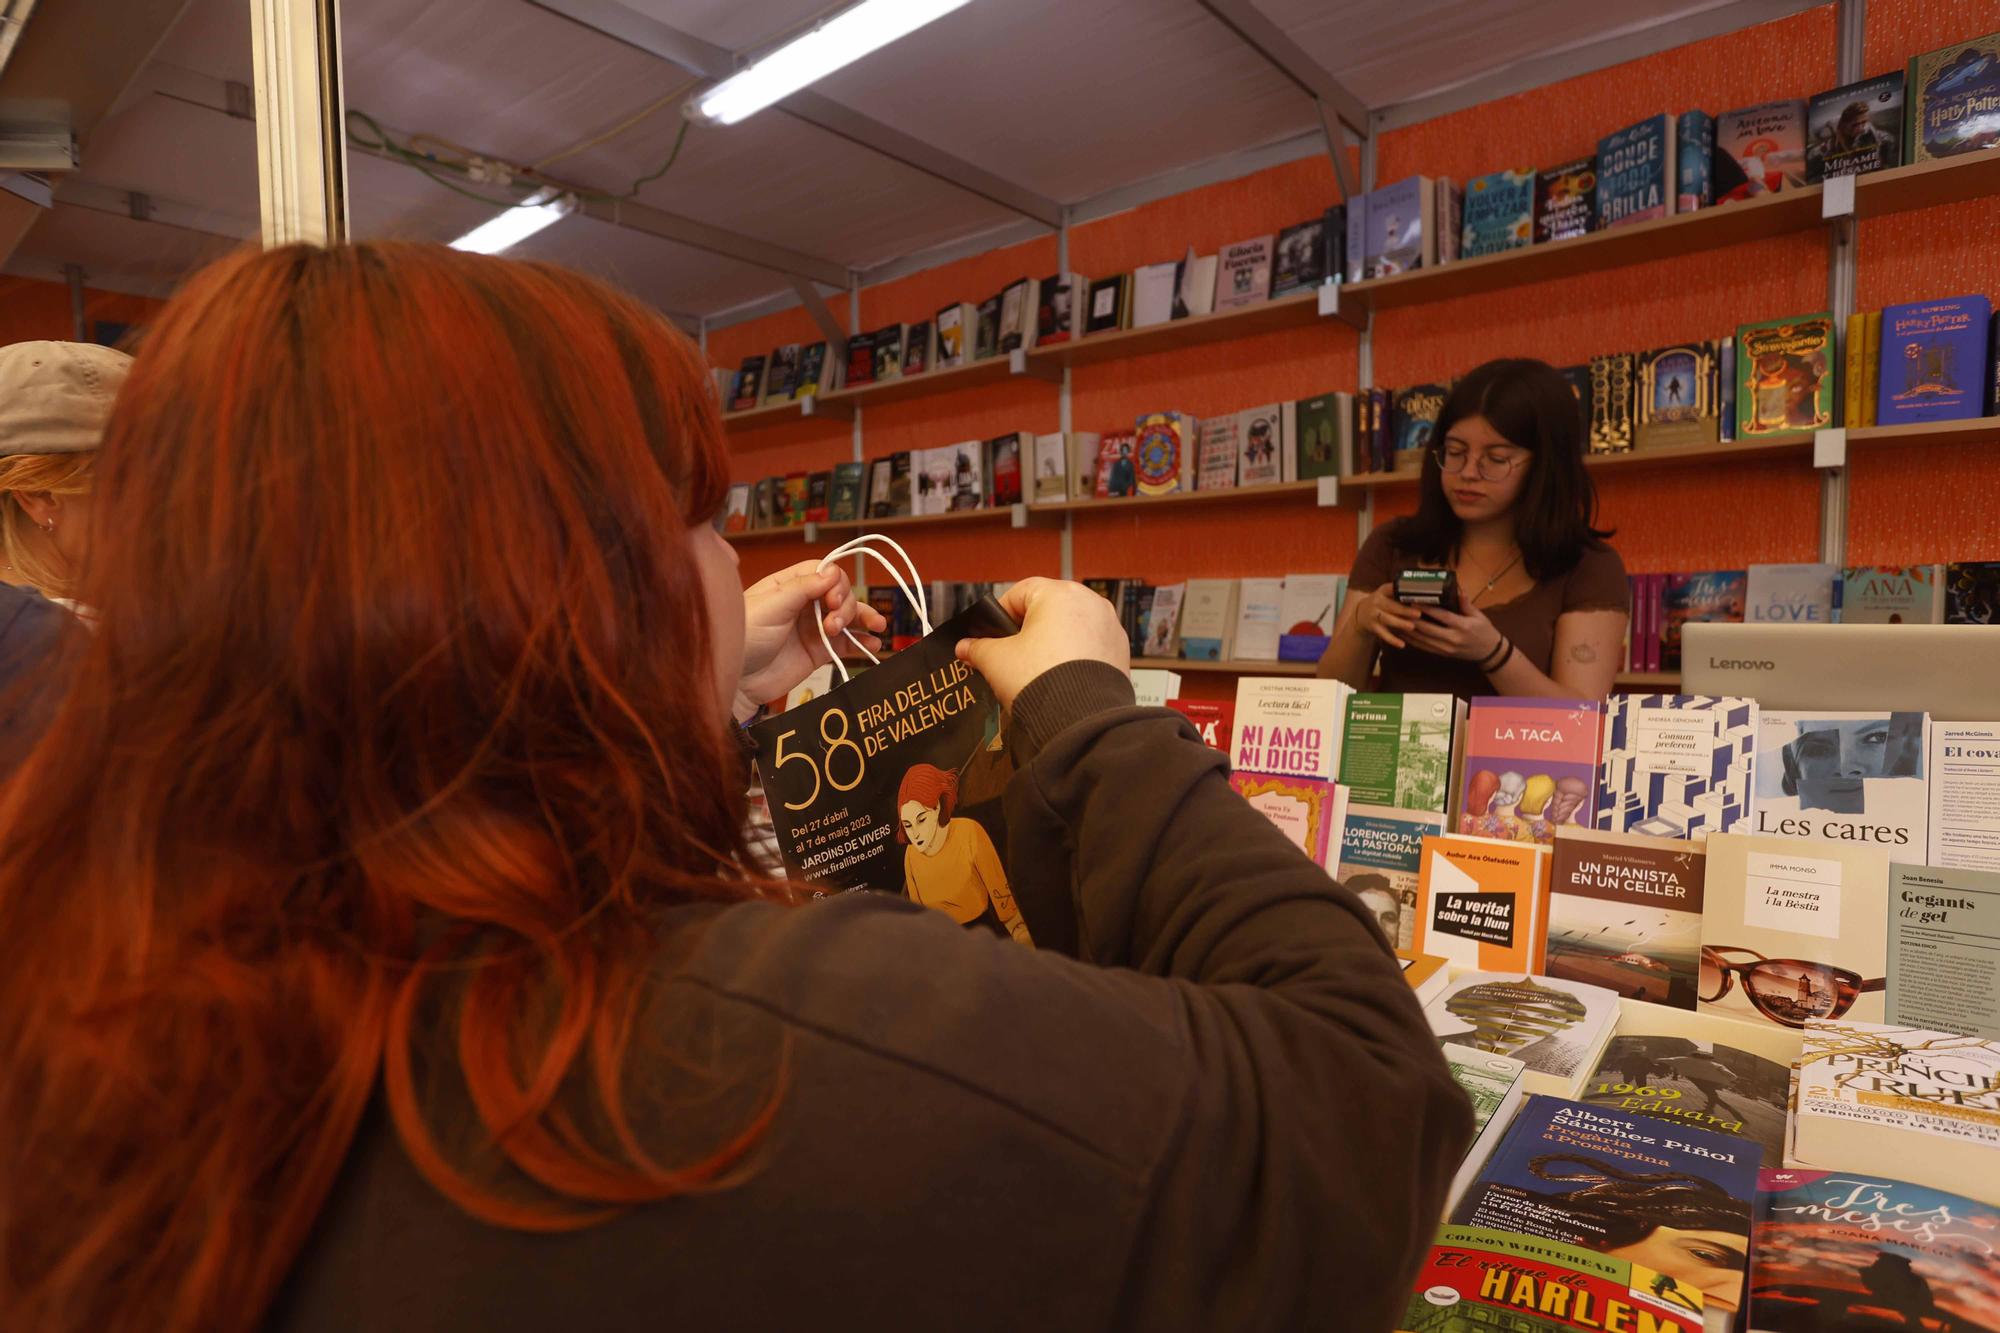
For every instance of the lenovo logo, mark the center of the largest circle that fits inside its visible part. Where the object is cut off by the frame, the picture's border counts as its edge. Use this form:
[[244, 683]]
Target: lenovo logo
[[1740, 664]]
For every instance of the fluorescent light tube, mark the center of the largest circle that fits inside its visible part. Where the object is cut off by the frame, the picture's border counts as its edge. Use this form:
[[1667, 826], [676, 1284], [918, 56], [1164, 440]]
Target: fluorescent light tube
[[841, 40], [517, 224]]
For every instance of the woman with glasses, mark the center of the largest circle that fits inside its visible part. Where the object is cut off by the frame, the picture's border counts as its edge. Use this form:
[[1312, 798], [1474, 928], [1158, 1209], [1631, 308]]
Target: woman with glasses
[[1506, 505]]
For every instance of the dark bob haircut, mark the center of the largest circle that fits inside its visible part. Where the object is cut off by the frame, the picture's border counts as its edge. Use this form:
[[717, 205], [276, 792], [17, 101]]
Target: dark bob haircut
[[1532, 406]]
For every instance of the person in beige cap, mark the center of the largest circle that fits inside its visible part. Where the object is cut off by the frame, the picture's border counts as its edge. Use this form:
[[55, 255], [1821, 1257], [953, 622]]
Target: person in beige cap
[[54, 400]]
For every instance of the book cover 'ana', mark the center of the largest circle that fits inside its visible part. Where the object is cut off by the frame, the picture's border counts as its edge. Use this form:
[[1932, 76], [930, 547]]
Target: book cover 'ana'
[[1530, 767]]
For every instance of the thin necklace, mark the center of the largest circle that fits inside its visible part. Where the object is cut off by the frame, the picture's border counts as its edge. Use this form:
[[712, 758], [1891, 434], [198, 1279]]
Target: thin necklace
[[1504, 570]]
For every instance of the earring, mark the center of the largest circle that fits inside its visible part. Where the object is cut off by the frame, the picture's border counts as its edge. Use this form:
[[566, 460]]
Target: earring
[[50, 527]]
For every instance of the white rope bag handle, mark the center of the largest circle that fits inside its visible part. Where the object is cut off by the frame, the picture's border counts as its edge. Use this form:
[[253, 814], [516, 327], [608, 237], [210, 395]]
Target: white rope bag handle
[[919, 598]]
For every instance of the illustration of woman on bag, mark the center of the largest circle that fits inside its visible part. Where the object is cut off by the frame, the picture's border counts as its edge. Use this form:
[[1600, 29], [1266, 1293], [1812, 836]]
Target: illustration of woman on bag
[[951, 864]]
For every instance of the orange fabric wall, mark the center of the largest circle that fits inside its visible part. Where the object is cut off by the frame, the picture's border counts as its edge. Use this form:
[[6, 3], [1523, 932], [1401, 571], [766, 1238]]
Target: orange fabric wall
[[1909, 504], [1931, 502], [32, 310]]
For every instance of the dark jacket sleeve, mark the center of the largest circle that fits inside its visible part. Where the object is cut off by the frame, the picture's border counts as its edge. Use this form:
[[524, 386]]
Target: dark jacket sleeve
[[1318, 1127]]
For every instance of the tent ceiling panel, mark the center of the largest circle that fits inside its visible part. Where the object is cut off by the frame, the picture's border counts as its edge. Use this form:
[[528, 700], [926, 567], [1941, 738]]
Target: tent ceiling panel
[[116, 253], [673, 277]]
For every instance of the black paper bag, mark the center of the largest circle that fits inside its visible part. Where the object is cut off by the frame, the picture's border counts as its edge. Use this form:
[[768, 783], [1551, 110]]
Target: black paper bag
[[892, 780]]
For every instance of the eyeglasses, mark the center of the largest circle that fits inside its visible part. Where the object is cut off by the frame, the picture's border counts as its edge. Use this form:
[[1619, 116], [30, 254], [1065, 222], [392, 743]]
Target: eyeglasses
[[1784, 990], [1455, 458]]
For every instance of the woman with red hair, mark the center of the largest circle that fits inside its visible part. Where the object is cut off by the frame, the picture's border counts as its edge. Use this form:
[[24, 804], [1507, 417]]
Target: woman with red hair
[[951, 864], [385, 954]]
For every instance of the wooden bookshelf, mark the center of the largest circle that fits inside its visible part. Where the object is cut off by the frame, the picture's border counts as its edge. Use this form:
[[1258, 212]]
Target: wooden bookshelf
[[1878, 194], [1647, 680], [1230, 668], [1793, 444], [1977, 430], [794, 532], [1293, 311], [1019, 515], [1138, 503]]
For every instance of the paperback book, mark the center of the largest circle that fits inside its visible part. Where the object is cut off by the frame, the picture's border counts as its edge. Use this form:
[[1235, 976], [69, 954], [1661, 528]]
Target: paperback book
[[1300, 257], [1636, 178], [1924, 1104], [1163, 621], [1323, 429], [1306, 609], [1784, 375], [1153, 287], [1694, 161], [1965, 795], [1260, 433], [1402, 234], [1259, 604], [986, 329], [1891, 595], [1194, 284], [1839, 1251], [1626, 1185], [1760, 149], [1697, 1069], [1117, 474], [1381, 860], [1003, 457], [1972, 592], [749, 390], [1164, 455], [1713, 595], [1677, 765], [1792, 594], [1415, 412], [1530, 767], [1625, 914], [781, 374], [1845, 777], [887, 346], [1793, 930], [1483, 903], [1557, 1029], [1243, 273], [1499, 213], [1051, 468], [1288, 726], [1212, 720], [1855, 128], [1492, 1083], [812, 379], [954, 325], [1613, 403], [1676, 396], [1208, 619], [1216, 450], [1566, 201], [1110, 304], [844, 503], [1306, 810], [1477, 1279], [1944, 972], [1396, 749]]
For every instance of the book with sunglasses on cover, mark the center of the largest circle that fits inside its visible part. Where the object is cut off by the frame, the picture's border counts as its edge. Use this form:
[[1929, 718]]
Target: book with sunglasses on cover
[[1677, 765], [1853, 1251], [1965, 795], [1530, 767], [1625, 914], [1793, 930], [1557, 1029], [1920, 1103], [1676, 396], [1673, 1198], [1702, 1070], [1483, 903], [1944, 968], [1845, 777], [1492, 1083], [1381, 861], [1483, 1280]]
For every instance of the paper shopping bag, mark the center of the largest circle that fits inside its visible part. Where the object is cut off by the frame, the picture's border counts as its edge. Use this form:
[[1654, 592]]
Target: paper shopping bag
[[892, 780]]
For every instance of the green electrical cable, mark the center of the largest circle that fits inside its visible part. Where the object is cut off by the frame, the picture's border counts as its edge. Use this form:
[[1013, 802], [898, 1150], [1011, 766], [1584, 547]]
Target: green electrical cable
[[425, 164]]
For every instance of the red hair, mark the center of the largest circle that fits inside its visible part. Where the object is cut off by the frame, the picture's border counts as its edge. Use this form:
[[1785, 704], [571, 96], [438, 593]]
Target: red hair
[[395, 736], [930, 787]]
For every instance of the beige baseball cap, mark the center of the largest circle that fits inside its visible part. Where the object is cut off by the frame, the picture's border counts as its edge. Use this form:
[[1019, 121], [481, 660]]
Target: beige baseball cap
[[55, 397]]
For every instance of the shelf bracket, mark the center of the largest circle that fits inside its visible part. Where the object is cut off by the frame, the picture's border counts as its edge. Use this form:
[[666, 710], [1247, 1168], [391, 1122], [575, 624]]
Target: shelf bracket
[[812, 405], [1331, 307], [1027, 516], [816, 306], [1018, 363]]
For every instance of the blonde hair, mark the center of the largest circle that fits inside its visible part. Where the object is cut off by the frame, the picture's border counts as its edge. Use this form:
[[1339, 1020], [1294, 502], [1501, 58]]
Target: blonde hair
[[30, 555]]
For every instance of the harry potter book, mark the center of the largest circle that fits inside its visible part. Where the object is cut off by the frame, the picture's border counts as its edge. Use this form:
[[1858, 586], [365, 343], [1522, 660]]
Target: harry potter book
[[1954, 100], [1933, 360]]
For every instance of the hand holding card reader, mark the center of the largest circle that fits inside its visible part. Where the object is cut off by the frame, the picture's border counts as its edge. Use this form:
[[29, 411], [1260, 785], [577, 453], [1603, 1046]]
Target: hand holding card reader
[[1427, 587]]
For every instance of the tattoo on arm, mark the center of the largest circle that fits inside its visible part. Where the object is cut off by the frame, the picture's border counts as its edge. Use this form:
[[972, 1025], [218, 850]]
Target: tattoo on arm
[[1584, 653]]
